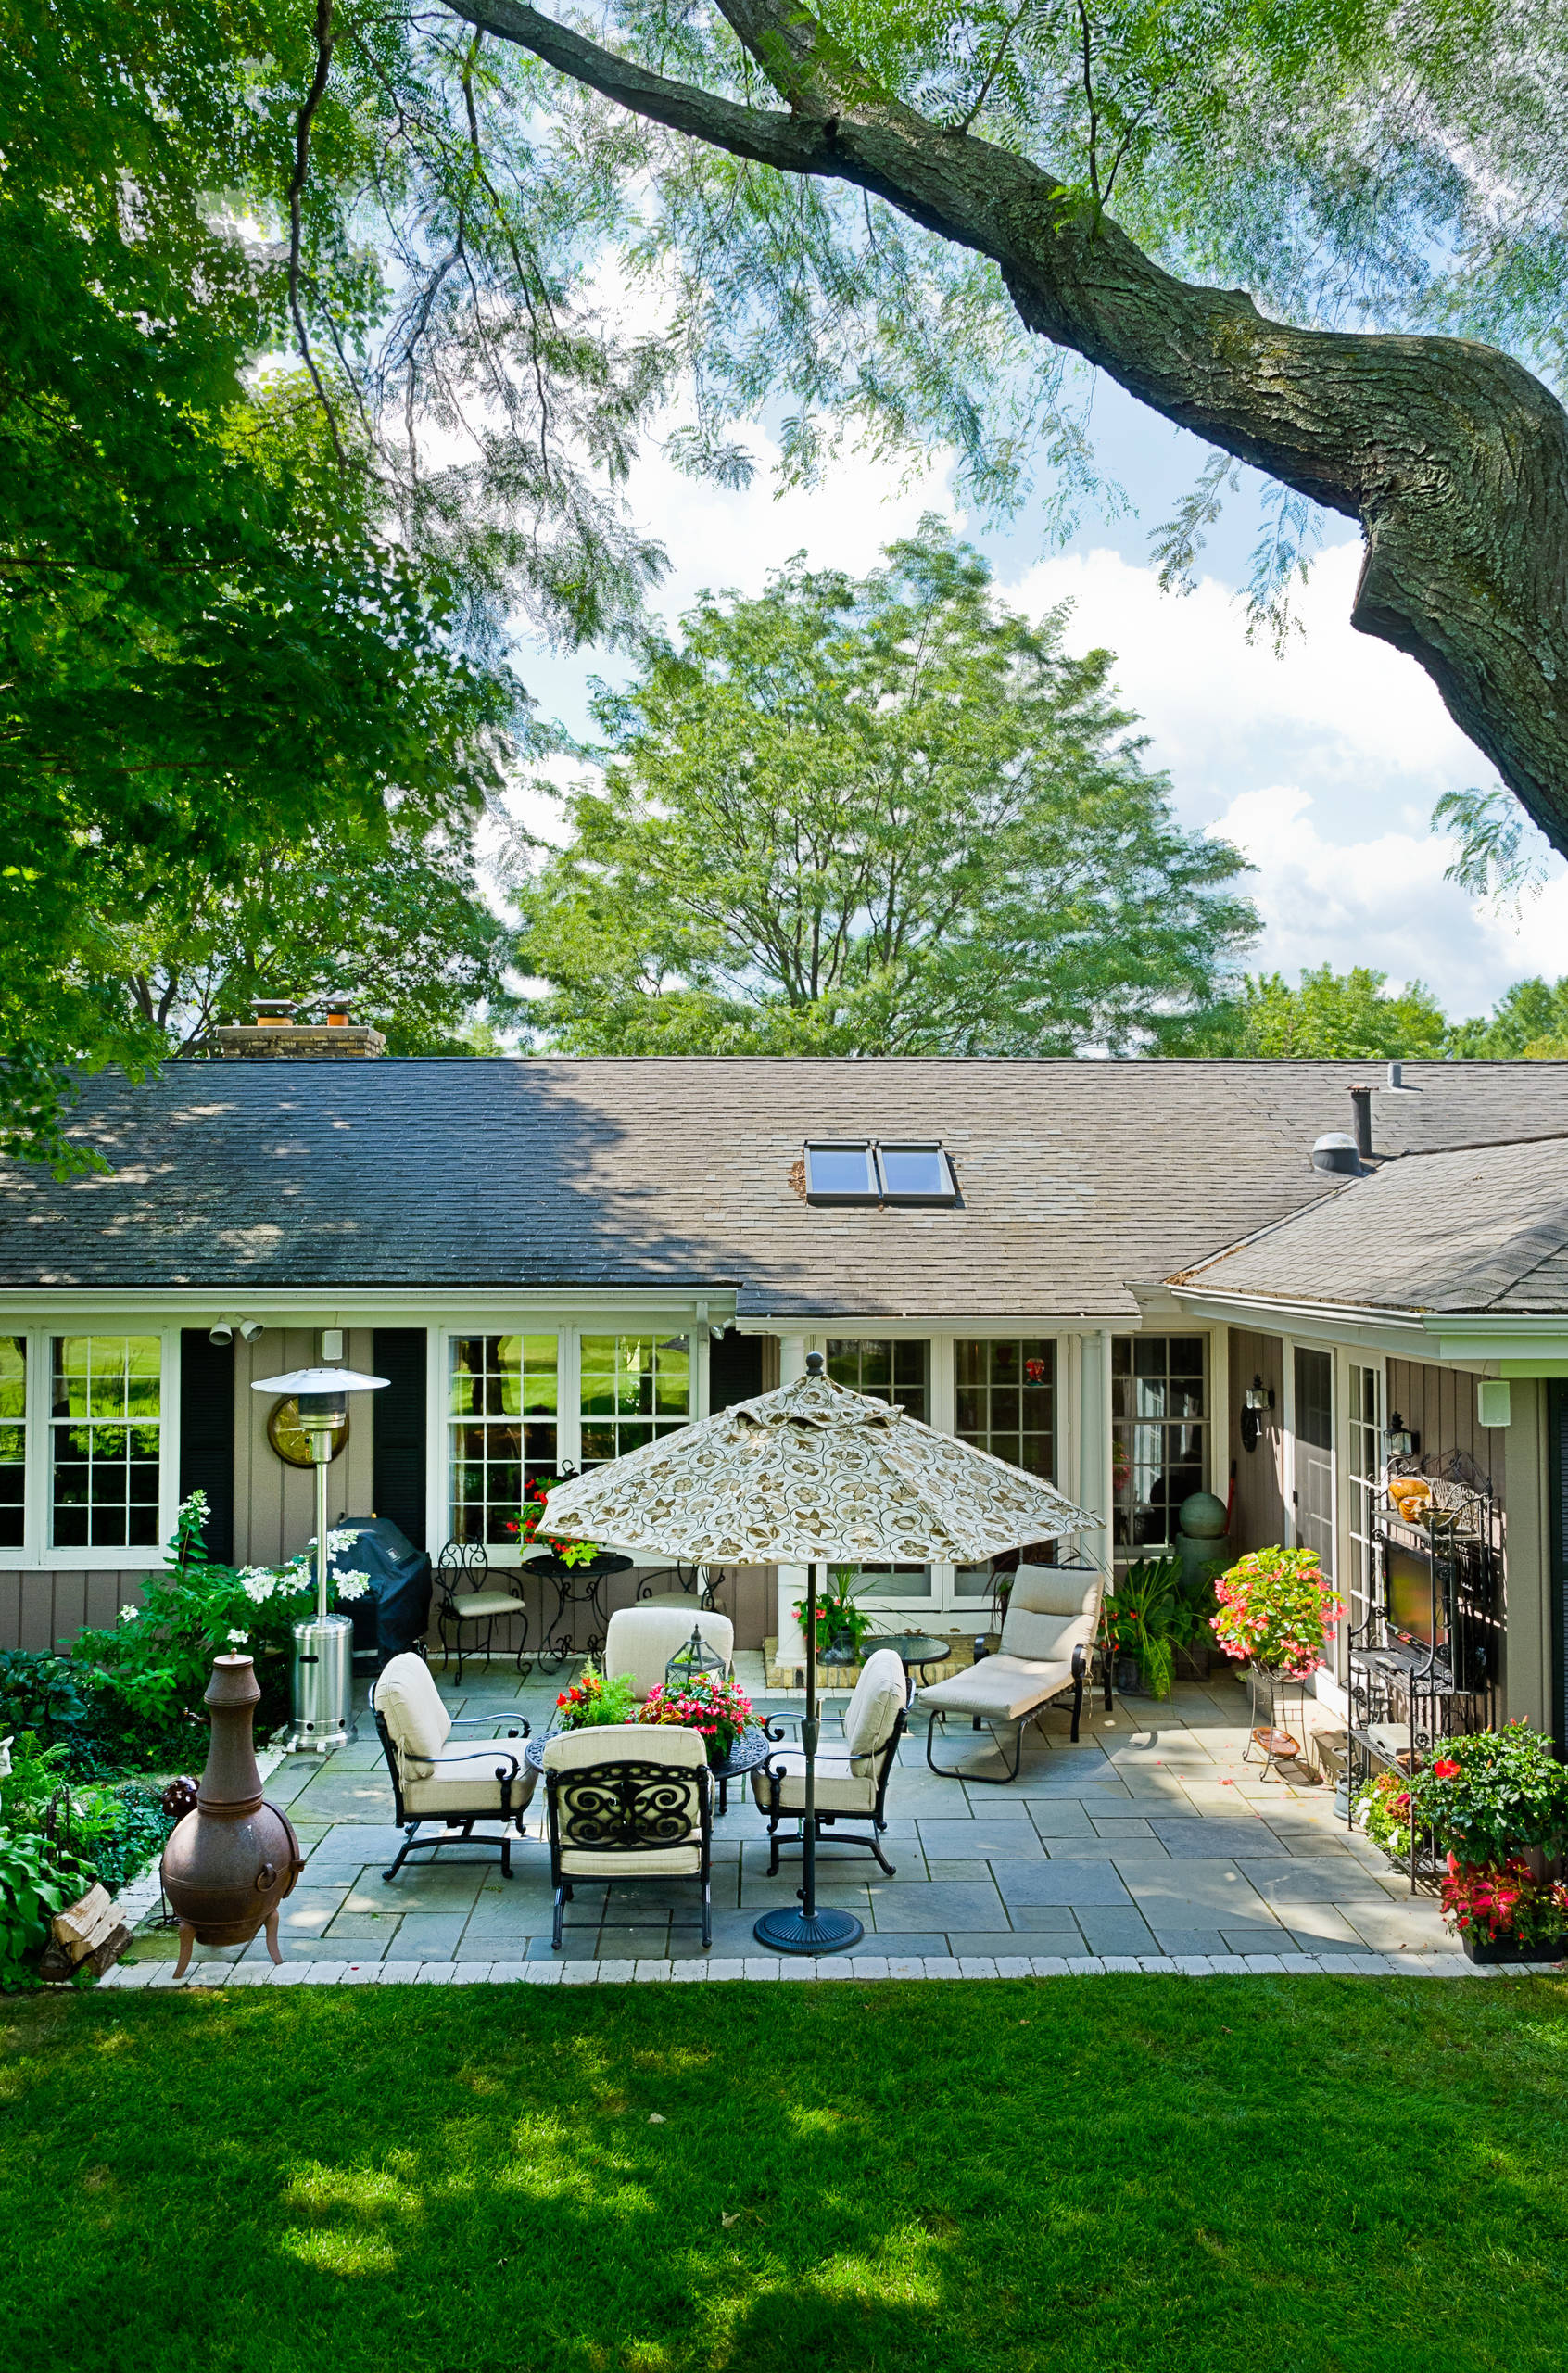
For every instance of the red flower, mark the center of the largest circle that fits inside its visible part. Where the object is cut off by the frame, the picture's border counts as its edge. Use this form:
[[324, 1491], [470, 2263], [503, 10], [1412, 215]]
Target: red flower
[[1445, 1768]]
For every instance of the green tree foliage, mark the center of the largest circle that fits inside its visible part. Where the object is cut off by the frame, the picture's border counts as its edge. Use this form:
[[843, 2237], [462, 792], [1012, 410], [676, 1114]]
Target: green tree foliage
[[1329, 1015], [1530, 1018], [875, 817]]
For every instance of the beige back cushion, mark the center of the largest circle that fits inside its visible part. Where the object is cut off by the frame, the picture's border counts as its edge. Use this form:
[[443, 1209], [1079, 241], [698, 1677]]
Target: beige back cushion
[[409, 1704], [877, 1701], [1049, 1610], [641, 1640], [625, 1743]]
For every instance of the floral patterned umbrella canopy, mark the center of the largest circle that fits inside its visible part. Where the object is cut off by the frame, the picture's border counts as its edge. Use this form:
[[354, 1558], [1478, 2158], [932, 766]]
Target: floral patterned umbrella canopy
[[813, 1472]]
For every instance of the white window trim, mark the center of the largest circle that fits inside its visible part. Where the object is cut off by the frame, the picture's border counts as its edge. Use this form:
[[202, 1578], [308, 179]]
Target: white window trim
[[37, 1554]]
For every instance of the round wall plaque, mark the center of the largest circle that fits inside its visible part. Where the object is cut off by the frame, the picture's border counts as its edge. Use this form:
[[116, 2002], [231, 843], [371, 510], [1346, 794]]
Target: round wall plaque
[[291, 1442]]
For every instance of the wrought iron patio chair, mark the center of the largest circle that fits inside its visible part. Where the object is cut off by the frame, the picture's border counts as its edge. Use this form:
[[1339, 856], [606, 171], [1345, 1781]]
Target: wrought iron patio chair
[[475, 1605], [629, 1800], [431, 1780], [640, 1640], [851, 1781]]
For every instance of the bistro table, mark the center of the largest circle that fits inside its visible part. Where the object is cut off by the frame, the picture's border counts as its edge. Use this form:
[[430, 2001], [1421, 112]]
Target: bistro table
[[575, 1586], [912, 1648], [752, 1748]]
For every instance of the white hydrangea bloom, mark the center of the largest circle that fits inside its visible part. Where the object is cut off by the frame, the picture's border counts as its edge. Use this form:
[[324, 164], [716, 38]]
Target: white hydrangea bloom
[[258, 1582], [129, 1613], [352, 1585], [238, 1639]]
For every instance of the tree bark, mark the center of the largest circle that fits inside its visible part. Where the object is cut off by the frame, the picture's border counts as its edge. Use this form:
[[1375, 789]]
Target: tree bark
[[1451, 455]]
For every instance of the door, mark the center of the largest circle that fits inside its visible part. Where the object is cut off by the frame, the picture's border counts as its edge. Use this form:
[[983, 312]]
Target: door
[[1313, 1493]]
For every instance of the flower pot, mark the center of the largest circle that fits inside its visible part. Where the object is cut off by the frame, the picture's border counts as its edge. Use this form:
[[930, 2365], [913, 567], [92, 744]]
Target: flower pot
[[1482, 1948], [1194, 1664]]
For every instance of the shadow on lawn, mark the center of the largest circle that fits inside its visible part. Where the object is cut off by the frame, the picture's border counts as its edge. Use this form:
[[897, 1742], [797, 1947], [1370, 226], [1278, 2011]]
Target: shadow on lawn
[[1104, 2174]]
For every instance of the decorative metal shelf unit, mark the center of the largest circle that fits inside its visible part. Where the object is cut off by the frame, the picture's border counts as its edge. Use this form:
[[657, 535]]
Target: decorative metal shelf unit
[[1423, 1666]]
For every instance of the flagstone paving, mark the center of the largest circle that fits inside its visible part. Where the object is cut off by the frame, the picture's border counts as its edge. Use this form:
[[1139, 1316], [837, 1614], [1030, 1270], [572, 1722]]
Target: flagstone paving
[[1150, 1844]]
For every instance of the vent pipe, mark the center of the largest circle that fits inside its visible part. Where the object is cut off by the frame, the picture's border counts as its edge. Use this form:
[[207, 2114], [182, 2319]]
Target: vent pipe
[[1361, 1105]]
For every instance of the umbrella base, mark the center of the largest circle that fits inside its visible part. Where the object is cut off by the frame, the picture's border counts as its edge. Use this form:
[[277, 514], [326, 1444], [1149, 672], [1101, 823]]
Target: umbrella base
[[793, 1932]]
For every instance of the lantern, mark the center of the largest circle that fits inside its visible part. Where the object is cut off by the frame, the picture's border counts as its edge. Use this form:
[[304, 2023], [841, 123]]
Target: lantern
[[695, 1661]]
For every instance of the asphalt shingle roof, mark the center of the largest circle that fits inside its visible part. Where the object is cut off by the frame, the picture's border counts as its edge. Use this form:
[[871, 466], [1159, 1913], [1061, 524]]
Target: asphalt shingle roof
[[1078, 1178], [1482, 1229]]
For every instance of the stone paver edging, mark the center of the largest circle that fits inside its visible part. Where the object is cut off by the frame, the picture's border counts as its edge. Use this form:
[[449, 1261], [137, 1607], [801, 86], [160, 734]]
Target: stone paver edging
[[160, 1975]]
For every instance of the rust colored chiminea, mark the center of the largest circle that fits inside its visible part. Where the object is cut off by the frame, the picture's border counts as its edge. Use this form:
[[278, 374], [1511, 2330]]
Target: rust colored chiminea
[[229, 1864]]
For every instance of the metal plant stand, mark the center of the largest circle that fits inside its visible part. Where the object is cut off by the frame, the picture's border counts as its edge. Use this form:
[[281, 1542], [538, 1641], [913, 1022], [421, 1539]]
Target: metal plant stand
[[1422, 1665], [1279, 1745]]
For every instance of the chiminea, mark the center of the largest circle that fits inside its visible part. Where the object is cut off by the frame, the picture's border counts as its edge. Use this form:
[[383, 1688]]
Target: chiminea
[[230, 1863]]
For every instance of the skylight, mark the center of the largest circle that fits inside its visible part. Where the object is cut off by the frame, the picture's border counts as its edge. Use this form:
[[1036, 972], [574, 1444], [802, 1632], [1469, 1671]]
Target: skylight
[[871, 1169]]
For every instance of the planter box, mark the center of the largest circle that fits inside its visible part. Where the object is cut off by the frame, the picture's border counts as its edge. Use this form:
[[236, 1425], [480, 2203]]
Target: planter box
[[1482, 1949]]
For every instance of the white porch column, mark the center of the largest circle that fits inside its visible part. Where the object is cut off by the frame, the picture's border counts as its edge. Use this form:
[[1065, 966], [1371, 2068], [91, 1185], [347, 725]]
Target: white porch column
[[792, 1579], [1095, 1444]]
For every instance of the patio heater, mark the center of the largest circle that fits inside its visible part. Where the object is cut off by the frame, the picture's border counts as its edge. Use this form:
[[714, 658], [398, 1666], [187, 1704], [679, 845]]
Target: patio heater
[[322, 1696]]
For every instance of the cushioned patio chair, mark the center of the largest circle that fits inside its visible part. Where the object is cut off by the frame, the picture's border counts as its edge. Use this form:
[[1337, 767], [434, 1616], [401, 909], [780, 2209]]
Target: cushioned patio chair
[[641, 1640], [629, 1800], [1047, 1647], [852, 1773], [434, 1779]]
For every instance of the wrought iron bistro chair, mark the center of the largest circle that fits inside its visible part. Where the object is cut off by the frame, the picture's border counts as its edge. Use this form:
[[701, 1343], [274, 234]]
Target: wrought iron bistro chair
[[475, 1605], [1047, 1645], [431, 1780], [851, 1781], [627, 1800]]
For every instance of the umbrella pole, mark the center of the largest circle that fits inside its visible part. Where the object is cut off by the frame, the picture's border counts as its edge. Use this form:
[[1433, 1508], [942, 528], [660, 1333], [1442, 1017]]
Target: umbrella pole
[[809, 1930]]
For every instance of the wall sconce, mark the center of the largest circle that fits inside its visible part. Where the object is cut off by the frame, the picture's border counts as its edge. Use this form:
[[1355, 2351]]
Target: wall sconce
[[1402, 1443], [1255, 1399]]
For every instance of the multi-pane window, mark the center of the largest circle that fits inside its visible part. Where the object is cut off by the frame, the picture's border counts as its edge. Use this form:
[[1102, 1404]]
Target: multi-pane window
[[103, 1411], [1158, 1429], [895, 1372], [501, 1430], [1006, 1404], [634, 1388], [13, 1440], [1363, 1470]]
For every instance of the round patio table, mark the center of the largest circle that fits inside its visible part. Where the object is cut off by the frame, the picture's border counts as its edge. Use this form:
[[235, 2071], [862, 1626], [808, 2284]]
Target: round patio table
[[575, 1586], [922, 1648], [752, 1748]]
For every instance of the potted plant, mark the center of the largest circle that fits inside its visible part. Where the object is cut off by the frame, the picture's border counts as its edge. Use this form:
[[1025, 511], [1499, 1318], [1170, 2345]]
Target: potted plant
[[1383, 1813], [592, 1701], [840, 1622], [526, 1525], [1276, 1612], [1492, 1800], [1142, 1613], [713, 1704]]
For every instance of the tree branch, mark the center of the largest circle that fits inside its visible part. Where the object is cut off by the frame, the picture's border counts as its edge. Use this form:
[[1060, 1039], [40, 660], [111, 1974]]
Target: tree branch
[[325, 43], [1451, 455]]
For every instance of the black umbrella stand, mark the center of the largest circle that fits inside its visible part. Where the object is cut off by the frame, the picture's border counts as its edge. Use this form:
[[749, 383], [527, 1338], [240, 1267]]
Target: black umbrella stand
[[809, 1930]]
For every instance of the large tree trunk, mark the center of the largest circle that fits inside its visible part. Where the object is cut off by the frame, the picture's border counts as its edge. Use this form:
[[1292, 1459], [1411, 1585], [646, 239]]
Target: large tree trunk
[[1450, 454]]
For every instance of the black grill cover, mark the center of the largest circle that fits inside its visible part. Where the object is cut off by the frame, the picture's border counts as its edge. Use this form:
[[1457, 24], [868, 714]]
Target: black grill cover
[[393, 1614]]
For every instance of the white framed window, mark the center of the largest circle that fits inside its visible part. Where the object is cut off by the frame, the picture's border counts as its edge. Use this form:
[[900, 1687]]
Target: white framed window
[[1004, 1400], [13, 1442], [1160, 1424], [1363, 1473], [891, 1370], [631, 1389], [502, 1404], [105, 1442]]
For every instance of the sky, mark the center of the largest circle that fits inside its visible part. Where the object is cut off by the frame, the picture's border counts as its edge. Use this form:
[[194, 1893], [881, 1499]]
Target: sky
[[1322, 766]]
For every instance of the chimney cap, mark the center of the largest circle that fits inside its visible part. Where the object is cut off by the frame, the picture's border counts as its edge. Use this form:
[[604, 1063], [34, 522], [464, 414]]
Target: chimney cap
[[274, 1013]]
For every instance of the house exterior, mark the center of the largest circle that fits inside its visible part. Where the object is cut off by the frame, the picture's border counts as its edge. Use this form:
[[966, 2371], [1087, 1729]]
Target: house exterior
[[1083, 1266]]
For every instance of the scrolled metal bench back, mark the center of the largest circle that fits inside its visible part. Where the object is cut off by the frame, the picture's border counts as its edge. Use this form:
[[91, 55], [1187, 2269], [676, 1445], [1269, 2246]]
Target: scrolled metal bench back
[[626, 1807]]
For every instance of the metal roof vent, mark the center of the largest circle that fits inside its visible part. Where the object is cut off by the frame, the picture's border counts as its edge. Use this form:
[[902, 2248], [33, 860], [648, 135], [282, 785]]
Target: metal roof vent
[[1337, 1154]]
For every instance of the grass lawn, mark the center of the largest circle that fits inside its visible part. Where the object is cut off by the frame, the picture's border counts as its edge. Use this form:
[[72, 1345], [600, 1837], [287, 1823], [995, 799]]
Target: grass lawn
[[1121, 2172]]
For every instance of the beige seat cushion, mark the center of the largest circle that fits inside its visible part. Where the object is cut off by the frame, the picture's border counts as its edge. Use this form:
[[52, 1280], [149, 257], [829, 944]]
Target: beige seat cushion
[[625, 1743], [658, 1862], [641, 1640], [472, 1607], [1000, 1689], [409, 1704], [463, 1779], [1051, 1610], [842, 1787]]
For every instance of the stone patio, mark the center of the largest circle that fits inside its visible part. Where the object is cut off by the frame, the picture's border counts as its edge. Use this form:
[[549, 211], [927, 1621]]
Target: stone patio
[[1149, 1844]]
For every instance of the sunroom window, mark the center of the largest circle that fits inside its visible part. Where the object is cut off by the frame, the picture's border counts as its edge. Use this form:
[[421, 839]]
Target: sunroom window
[[501, 1430], [1006, 1403], [13, 1440], [634, 1388], [104, 1432], [892, 1371]]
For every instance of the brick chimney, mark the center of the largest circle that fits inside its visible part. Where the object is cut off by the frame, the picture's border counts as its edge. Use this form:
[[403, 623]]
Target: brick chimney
[[277, 1033]]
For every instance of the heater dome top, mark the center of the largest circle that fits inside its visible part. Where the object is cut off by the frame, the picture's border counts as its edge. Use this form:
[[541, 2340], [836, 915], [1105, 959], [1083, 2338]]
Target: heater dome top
[[318, 1380]]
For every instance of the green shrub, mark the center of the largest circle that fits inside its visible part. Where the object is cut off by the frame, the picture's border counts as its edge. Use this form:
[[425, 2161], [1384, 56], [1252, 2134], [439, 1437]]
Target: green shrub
[[38, 1878], [114, 1832], [1488, 1797]]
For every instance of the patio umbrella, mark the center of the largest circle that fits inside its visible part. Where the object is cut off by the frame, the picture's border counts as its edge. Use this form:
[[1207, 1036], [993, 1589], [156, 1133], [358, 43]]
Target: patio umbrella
[[810, 1476]]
